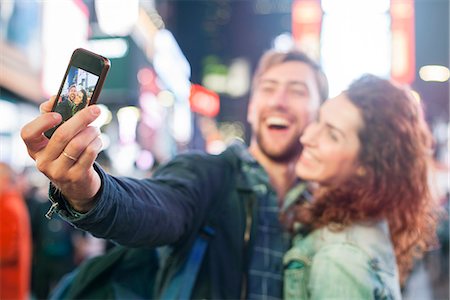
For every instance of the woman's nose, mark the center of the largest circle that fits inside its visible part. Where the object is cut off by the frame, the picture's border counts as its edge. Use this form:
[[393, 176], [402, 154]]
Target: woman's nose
[[309, 135]]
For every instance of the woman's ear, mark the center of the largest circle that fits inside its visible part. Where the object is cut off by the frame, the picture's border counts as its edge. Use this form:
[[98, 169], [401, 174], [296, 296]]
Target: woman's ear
[[361, 171]]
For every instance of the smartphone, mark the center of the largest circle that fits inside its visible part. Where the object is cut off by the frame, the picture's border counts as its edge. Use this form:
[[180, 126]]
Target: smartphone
[[81, 84]]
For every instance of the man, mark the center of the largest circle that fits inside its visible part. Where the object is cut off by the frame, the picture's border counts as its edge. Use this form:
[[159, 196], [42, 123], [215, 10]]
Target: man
[[239, 192], [71, 94], [67, 102]]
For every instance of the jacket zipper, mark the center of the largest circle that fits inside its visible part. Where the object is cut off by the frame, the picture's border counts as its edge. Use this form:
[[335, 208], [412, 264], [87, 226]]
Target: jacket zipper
[[247, 235], [52, 208]]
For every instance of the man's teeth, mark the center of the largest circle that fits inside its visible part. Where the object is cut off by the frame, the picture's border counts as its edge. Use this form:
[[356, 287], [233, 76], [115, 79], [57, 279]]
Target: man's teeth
[[277, 121]]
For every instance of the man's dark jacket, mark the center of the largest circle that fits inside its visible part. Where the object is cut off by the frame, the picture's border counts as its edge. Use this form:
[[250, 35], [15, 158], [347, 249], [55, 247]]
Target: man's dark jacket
[[189, 192]]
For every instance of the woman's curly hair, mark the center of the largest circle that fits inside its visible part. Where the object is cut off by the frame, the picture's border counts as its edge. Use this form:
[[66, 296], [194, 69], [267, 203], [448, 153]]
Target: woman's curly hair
[[395, 154]]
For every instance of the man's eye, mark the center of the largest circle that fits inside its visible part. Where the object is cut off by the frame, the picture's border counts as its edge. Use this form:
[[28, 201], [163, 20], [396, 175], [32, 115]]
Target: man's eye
[[267, 89], [299, 92]]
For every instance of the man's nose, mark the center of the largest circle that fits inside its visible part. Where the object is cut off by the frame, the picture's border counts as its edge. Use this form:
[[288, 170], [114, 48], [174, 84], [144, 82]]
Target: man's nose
[[280, 98]]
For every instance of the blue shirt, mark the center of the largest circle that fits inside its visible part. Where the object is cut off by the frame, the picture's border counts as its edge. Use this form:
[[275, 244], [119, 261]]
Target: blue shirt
[[271, 240]]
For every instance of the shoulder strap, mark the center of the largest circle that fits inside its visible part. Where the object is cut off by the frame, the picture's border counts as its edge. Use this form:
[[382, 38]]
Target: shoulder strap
[[180, 287], [88, 274]]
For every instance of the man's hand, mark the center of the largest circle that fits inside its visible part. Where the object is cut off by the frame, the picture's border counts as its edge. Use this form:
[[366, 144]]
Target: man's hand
[[67, 158]]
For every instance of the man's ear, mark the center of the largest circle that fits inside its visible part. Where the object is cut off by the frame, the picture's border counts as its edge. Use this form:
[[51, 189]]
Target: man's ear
[[250, 112]]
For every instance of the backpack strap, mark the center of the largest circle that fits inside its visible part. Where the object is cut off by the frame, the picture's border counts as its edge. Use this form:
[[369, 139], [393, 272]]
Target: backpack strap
[[181, 286]]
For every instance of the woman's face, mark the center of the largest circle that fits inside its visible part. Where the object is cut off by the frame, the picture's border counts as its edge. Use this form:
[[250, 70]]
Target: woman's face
[[331, 144], [79, 97]]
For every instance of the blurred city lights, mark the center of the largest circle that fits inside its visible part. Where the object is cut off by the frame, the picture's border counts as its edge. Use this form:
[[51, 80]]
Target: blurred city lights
[[148, 81], [215, 146], [69, 36], [166, 98], [346, 22], [145, 76], [231, 130], [238, 78], [308, 11], [111, 48], [125, 157], [204, 101], [215, 81], [416, 96], [233, 80], [128, 118], [8, 115], [403, 56], [104, 118], [346, 6], [145, 160], [307, 25], [171, 65], [153, 113], [106, 141], [182, 123], [117, 17], [434, 73], [283, 42]]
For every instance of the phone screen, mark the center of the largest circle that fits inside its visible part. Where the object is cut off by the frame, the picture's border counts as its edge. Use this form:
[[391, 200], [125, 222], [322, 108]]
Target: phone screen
[[81, 85], [76, 93]]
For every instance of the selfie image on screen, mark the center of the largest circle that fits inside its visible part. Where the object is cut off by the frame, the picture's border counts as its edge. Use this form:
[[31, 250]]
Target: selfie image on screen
[[76, 92]]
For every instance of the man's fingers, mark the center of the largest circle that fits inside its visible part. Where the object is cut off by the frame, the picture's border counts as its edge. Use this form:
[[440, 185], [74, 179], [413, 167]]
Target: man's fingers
[[80, 144], [69, 129], [87, 158], [32, 133], [47, 106]]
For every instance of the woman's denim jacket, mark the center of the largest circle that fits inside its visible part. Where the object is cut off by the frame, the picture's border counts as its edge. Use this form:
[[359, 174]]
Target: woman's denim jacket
[[357, 262]]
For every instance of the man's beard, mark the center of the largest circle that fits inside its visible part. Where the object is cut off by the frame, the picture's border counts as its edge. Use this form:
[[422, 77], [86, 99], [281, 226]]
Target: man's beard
[[289, 152]]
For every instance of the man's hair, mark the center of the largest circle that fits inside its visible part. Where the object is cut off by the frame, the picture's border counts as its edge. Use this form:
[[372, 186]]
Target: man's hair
[[272, 58]]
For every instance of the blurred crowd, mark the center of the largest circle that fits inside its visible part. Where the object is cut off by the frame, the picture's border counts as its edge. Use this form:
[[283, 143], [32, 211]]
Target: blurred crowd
[[36, 252]]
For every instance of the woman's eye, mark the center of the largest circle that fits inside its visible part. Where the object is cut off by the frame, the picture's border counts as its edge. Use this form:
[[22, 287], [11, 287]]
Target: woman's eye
[[333, 135]]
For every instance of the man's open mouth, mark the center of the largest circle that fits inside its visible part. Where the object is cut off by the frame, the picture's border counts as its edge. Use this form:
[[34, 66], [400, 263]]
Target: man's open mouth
[[277, 123]]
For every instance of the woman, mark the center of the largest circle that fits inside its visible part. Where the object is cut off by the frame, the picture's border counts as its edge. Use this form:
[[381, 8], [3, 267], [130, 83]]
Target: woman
[[372, 214], [80, 101]]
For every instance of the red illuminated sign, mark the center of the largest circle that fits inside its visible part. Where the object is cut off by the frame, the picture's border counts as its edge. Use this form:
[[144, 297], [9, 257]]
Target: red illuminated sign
[[403, 44], [204, 101], [307, 25]]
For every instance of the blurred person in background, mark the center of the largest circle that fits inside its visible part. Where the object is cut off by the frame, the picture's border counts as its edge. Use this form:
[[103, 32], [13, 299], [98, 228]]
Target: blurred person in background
[[241, 189], [434, 267], [15, 238], [372, 215], [58, 247], [53, 249]]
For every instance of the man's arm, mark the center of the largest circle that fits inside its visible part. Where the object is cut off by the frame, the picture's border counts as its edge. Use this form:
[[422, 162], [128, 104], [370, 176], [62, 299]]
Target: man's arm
[[130, 211], [154, 211]]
